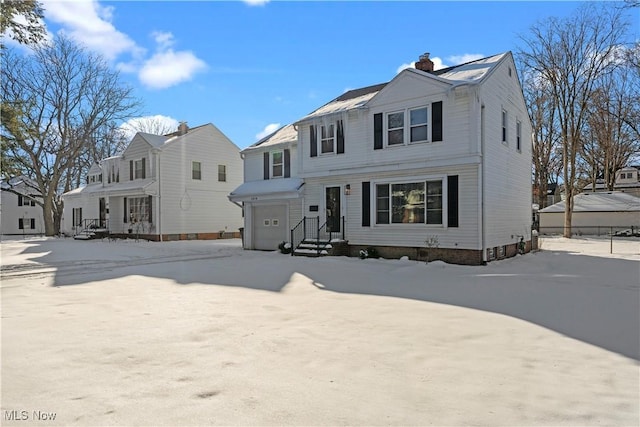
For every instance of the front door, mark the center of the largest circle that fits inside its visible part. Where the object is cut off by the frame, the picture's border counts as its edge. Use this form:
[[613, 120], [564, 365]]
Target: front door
[[332, 208]]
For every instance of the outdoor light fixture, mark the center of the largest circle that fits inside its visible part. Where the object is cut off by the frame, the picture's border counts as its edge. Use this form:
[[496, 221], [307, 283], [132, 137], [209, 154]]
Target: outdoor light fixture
[[347, 189]]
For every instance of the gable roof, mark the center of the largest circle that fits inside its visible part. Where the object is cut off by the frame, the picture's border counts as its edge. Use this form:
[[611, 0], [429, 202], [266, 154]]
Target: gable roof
[[469, 72], [285, 135], [153, 140], [599, 202]]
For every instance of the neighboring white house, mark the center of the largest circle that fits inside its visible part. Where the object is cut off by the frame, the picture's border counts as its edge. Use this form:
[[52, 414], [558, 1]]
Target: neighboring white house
[[272, 191], [627, 181], [432, 161], [19, 213], [594, 213], [162, 187]]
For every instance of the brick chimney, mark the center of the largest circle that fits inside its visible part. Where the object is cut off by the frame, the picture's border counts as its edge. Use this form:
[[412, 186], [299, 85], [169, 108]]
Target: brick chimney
[[182, 128], [425, 64]]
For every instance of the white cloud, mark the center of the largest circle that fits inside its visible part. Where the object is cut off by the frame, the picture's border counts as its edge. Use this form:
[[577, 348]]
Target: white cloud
[[256, 2], [268, 130], [157, 125], [405, 66], [89, 23], [168, 68]]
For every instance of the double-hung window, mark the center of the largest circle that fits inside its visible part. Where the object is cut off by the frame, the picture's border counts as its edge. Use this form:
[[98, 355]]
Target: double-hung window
[[327, 139], [504, 126], [409, 203], [518, 135], [395, 128], [277, 164], [418, 121], [138, 169], [222, 173], [196, 171]]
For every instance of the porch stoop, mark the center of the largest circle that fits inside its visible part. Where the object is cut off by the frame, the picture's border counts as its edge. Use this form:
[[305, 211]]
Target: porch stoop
[[313, 248], [93, 233]]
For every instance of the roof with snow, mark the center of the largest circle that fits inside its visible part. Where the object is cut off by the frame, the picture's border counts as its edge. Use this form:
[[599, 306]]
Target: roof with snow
[[153, 140], [470, 72], [124, 188], [599, 202], [285, 135], [266, 189]]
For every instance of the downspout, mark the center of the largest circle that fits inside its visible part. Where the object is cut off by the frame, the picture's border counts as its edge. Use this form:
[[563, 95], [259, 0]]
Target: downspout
[[482, 187], [159, 196]]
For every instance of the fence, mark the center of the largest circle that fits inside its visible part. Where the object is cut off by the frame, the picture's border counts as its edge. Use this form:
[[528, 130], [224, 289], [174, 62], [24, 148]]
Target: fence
[[594, 230]]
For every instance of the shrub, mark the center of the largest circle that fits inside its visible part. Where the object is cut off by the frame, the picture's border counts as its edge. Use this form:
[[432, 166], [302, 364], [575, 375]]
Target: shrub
[[285, 247], [370, 252]]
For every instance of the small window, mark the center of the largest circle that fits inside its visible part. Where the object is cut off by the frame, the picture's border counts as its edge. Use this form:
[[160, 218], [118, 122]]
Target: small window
[[277, 164], [418, 123], [327, 139], [502, 250], [32, 202], [395, 128], [20, 202], [266, 223], [518, 135], [491, 254], [196, 171], [138, 167], [275, 222], [222, 173], [504, 126]]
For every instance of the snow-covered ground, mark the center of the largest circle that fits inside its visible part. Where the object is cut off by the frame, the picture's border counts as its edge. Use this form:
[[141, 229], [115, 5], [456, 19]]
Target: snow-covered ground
[[204, 333]]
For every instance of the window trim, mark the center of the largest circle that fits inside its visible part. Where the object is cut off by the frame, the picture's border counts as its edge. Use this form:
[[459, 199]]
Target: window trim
[[222, 173], [373, 214], [193, 171], [518, 135], [272, 154], [407, 127], [333, 126], [505, 127], [141, 162]]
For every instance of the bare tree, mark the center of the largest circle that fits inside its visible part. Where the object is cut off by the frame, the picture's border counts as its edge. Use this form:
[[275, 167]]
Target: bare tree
[[547, 163], [59, 98], [156, 125], [570, 55]]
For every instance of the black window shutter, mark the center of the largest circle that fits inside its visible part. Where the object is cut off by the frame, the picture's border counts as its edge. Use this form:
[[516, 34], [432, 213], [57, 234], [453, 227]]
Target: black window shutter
[[366, 204], [143, 168], [33, 223], [19, 200], [21, 224], [452, 200], [287, 163], [313, 138], [265, 158], [130, 170], [340, 137], [377, 131], [436, 121], [150, 208], [125, 219]]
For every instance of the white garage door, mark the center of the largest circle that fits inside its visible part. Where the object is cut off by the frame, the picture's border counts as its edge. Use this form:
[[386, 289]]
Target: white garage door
[[269, 227]]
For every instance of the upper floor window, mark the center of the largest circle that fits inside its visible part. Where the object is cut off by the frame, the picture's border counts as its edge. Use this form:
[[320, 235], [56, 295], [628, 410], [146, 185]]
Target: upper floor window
[[277, 164], [222, 173], [25, 201], [327, 139], [504, 126], [395, 128], [418, 121], [138, 169], [409, 203], [518, 135], [196, 170]]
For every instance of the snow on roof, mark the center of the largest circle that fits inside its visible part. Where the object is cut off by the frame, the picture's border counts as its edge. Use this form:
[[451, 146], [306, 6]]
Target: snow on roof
[[94, 169], [154, 140], [136, 186], [266, 187], [347, 101], [599, 202], [286, 134], [472, 71]]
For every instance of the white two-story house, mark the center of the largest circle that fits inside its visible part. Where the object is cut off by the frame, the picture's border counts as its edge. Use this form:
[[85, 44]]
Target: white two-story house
[[434, 163], [20, 213], [162, 187]]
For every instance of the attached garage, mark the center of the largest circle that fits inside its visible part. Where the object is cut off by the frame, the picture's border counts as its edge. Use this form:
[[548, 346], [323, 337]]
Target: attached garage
[[269, 226]]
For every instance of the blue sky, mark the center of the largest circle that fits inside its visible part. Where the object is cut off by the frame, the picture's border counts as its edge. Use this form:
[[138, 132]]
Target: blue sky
[[248, 67]]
